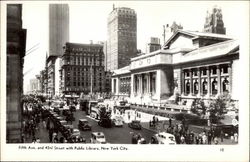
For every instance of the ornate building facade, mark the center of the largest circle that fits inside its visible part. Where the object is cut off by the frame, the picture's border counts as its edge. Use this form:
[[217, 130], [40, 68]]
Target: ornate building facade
[[193, 64], [82, 69]]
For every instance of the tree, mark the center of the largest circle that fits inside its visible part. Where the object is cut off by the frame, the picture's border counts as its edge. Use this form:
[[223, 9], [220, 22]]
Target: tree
[[198, 107], [217, 107]]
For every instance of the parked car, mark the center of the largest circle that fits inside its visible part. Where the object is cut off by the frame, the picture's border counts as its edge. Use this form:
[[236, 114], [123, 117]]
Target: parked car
[[141, 141], [118, 121], [154, 140], [135, 124], [105, 122], [165, 138], [84, 125], [75, 133], [98, 138], [228, 130]]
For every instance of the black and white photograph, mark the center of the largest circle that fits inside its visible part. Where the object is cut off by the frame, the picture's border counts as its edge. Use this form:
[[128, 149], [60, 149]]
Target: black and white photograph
[[136, 80]]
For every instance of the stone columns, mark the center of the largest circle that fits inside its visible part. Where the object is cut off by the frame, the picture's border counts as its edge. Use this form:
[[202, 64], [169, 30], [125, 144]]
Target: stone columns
[[219, 80], [191, 82], [230, 77], [199, 81], [208, 82], [182, 82]]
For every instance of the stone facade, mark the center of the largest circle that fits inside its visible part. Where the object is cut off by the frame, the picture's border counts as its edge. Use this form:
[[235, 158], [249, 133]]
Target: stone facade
[[82, 69], [16, 44], [193, 64]]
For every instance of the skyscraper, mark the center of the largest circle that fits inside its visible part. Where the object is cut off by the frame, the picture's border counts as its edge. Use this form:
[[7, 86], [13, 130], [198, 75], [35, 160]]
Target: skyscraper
[[58, 28], [214, 22], [58, 36], [122, 37]]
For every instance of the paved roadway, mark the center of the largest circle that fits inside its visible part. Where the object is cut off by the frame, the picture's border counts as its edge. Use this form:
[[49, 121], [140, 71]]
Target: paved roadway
[[114, 135]]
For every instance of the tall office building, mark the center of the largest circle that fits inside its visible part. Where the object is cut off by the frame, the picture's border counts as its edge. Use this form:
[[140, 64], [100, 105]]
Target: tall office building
[[214, 22], [122, 37], [58, 36], [58, 28]]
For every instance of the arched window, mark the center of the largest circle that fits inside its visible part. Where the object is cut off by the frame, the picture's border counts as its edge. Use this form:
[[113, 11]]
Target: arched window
[[225, 86], [204, 87], [196, 87], [188, 87], [214, 87]]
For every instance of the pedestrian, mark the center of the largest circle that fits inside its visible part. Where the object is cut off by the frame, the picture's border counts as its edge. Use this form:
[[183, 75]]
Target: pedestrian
[[182, 139], [221, 135], [44, 124], [232, 137], [216, 141], [209, 137], [236, 137], [204, 138], [38, 140], [197, 140], [170, 122]]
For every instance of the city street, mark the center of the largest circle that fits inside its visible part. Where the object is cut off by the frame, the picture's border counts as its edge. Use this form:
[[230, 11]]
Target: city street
[[114, 135]]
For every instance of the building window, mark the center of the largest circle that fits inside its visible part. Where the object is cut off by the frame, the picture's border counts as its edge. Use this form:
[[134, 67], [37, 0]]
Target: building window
[[225, 70], [204, 72], [204, 87], [225, 86], [196, 87], [214, 71], [187, 87], [214, 87], [195, 73]]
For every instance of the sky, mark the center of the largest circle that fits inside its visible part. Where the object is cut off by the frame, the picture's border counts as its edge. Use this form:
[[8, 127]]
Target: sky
[[88, 21]]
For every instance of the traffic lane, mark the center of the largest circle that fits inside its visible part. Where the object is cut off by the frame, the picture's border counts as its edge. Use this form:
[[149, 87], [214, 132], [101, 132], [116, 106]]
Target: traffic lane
[[114, 135]]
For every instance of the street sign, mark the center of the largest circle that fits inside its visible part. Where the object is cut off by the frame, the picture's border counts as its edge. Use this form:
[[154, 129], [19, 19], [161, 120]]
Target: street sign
[[234, 122]]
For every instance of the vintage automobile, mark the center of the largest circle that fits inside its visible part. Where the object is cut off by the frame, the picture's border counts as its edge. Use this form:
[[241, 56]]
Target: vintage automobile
[[105, 122], [83, 124], [165, 138], [75, 132], [141, 141], [227, 130], [154, 140], [135, 124], [98, 138], [117, 121]]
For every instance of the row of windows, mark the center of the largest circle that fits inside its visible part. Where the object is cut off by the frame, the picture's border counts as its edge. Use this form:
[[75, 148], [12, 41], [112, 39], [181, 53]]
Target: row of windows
[[88, 49], [214, 87], [212, 70]]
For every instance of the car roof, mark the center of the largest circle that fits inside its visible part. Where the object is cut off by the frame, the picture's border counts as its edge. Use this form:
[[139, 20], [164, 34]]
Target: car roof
[[63, 121], [165, 134], [83, 120], [97, 133]]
